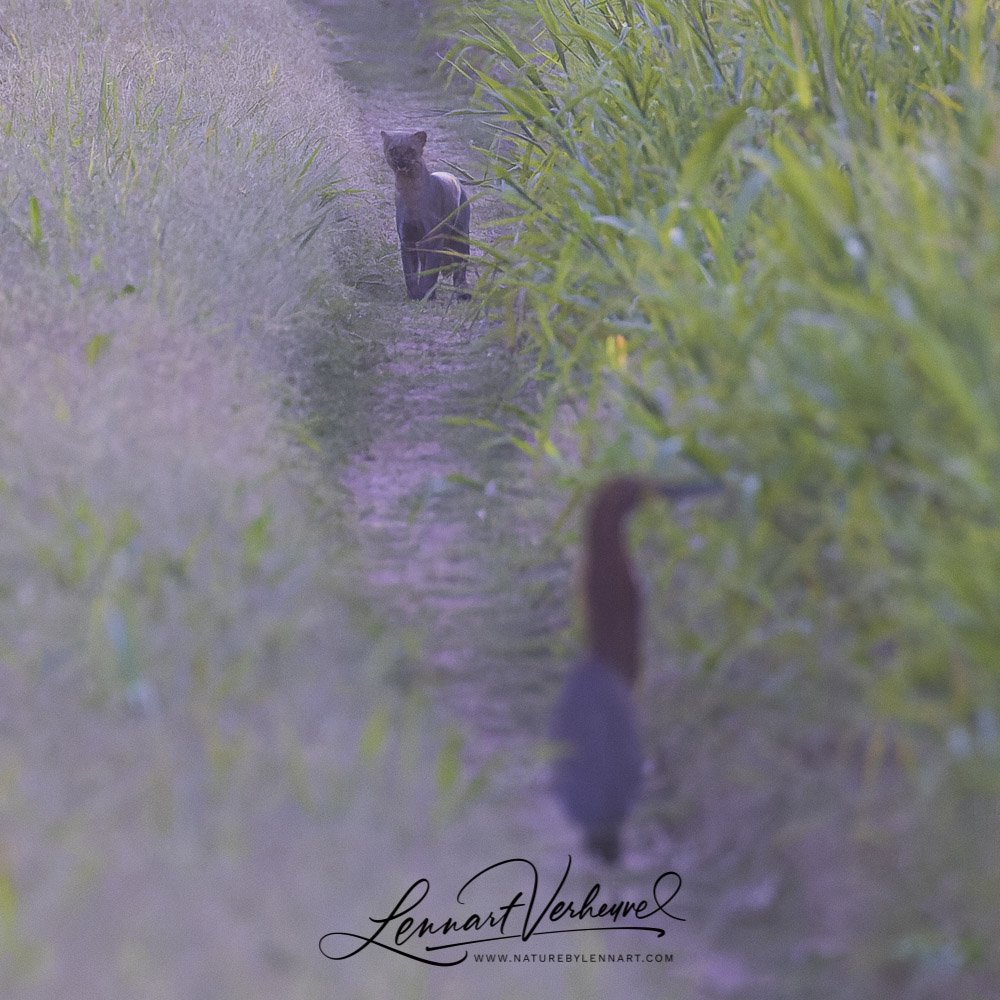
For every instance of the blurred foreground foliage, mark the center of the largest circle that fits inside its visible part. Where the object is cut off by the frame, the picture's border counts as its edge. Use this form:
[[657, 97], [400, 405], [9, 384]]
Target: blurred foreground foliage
[[188, 673], [166, 190], [761, 240]]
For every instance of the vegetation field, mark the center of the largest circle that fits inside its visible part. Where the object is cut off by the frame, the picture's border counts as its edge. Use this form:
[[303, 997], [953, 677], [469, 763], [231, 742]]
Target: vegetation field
[[760, 241], [746, 240]]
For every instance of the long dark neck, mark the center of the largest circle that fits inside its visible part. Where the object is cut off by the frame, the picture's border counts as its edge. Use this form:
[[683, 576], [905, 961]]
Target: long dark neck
[[612, 597], [614, 608]]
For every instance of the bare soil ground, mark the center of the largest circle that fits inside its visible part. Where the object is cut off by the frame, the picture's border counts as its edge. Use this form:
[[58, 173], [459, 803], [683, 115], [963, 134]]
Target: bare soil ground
[[453, 522]]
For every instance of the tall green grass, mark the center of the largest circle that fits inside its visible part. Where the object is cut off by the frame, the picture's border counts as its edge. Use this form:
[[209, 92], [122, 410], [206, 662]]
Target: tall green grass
[[760, 241], [761, 237]]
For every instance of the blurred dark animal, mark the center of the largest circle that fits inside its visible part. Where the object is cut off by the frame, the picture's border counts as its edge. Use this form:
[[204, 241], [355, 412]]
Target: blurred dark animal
[[432, 216], [597, 778]]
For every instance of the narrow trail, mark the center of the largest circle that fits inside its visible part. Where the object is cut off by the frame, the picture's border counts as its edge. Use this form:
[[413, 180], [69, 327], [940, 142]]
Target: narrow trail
[[454, 525], [449, 515]]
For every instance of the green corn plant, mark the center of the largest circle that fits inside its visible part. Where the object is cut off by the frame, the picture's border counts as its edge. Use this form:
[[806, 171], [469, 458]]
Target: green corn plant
[[745, 232]]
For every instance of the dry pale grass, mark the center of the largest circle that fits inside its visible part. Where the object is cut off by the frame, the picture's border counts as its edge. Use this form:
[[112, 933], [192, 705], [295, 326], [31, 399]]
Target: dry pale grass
[[159, 188], [182, 692]]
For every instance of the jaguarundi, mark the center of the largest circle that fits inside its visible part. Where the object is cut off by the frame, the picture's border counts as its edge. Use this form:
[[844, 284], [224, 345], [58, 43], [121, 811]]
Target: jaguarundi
[[432, 217], [598, 777]]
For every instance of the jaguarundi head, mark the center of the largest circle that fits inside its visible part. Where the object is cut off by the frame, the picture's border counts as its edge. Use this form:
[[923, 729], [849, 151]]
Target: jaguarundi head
[[403, 149]]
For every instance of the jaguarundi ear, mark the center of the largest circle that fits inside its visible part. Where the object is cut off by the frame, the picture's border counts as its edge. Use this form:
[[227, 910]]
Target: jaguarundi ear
[[384, 136], [421, 137]]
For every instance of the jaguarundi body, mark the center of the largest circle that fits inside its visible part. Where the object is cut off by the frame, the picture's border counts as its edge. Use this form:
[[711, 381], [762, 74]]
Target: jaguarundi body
[[432, 217], [598, 777]]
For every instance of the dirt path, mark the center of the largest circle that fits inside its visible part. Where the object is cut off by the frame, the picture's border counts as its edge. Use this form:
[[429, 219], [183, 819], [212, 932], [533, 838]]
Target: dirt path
[[450, 517], [455, 527]]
